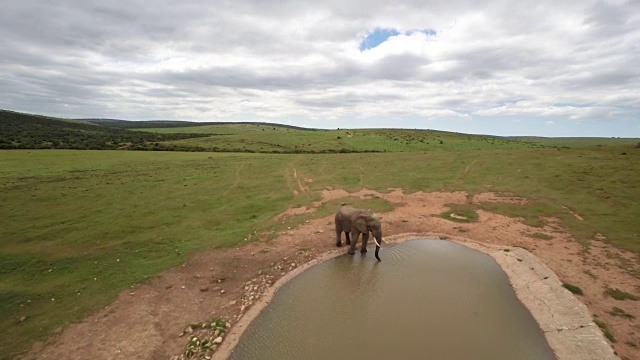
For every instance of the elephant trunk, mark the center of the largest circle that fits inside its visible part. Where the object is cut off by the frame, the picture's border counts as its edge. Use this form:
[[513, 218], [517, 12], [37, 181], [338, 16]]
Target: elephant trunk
[[378, 240]]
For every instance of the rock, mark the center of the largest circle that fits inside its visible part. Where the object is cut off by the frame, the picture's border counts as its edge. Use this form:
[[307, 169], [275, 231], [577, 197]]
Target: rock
[[233, 302], [216, 333], [227, 325], [23, 318], [204, 289], [222, 291], [217, 340]]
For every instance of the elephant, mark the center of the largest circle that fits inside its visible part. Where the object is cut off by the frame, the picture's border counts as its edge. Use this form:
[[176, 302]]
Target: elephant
[[357, 221]]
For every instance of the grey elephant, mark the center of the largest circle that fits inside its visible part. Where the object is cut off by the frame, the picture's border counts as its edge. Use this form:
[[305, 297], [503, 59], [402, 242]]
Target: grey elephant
[[354, 222]]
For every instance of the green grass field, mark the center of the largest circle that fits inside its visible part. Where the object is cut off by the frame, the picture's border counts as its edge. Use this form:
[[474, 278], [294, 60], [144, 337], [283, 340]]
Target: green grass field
[[264, 138], [78, 227]]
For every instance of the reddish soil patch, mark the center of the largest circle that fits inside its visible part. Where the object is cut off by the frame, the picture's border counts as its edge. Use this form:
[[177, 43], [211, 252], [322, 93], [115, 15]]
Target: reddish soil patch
[[147, 321]]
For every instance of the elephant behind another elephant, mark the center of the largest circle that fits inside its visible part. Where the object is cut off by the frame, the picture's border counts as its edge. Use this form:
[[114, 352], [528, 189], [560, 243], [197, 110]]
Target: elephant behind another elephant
[[354, 222]]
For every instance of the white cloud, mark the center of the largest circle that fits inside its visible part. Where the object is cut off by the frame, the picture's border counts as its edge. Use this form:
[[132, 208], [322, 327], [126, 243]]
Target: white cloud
[[266, 60]]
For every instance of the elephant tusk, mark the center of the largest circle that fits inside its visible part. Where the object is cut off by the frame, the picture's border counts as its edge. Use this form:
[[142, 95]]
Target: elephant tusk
[[377, 243]]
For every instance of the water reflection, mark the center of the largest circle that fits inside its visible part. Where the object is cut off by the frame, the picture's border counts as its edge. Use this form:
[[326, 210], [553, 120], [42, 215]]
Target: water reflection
[[425, 300]]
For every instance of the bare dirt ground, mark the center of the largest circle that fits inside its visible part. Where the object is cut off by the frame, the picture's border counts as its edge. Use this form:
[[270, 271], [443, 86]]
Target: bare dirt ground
[[149, 320]]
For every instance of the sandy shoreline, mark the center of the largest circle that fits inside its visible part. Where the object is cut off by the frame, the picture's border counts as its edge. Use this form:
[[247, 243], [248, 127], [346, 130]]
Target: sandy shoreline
[[565, 321]]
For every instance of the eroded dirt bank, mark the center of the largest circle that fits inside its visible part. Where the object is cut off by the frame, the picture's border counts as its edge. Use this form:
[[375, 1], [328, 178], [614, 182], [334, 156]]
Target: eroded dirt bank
[[149, 320]]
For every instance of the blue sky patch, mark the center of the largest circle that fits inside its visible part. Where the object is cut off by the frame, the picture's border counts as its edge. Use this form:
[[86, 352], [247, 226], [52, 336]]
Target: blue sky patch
[[377, 37], [380, 35]]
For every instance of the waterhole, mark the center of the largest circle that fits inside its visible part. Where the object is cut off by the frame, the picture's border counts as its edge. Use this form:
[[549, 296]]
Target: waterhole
[[427, 299]]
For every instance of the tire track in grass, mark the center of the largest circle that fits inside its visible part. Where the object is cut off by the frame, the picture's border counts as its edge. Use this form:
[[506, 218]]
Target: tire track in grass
[[466, 170], [299, 190], [237, 181]]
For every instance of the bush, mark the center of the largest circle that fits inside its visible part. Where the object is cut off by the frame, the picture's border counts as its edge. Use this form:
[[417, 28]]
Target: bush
[[574, 289], [619, 294]]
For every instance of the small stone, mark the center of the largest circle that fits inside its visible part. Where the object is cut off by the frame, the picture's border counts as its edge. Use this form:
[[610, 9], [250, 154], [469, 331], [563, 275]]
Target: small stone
[[183, 287], [222, 291], [233, 302], [204, 289], [217, 340], [216, 333], [23, 318], [227, 325]]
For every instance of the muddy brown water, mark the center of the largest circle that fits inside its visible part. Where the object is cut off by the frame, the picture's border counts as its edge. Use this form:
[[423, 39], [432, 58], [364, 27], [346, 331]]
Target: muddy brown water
[[427, 299]]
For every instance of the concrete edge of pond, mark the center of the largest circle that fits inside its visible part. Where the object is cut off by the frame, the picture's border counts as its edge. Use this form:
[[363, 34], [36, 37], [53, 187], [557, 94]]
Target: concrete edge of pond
[[565, 321]]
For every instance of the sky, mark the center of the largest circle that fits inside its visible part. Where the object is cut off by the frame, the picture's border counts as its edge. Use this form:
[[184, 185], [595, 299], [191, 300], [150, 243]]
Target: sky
[[502, 67]]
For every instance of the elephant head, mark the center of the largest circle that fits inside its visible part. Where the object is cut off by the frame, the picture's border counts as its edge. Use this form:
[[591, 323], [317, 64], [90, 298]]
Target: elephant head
[[354, 222]]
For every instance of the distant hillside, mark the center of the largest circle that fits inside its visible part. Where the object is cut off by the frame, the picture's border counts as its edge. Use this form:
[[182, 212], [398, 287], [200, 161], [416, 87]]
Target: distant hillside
[[27, 131], [578, 142], [128, 124], [146, 124]]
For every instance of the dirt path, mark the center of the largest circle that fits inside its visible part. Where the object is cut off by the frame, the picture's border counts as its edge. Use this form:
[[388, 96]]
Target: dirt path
[[147, 322]]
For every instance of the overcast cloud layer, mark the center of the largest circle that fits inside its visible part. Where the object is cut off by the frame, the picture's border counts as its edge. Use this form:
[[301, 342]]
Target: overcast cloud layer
[[551, 68]]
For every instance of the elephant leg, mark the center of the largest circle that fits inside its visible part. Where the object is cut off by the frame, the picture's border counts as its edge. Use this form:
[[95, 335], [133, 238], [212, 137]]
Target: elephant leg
[[338, 235], [365, 239], [346, 234], [354, 235]]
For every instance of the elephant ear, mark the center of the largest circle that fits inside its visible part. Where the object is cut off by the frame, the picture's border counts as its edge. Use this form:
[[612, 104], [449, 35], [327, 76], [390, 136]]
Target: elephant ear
[[373, 217], [370, 219]]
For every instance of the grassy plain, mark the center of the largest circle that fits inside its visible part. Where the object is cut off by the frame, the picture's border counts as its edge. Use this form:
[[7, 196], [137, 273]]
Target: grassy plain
[[78, 227], [265, 138]]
